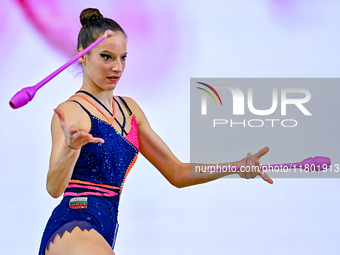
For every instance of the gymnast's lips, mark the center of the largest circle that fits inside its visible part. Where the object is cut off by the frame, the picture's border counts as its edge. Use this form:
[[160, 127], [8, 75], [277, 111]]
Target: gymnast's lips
[[113, 78]]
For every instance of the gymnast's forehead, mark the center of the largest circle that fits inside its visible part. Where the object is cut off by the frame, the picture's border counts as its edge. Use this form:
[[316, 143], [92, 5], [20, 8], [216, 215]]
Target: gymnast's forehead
[[114, 44]]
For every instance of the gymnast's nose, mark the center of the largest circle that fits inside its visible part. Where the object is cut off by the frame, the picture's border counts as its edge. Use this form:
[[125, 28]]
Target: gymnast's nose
[[118, 66]]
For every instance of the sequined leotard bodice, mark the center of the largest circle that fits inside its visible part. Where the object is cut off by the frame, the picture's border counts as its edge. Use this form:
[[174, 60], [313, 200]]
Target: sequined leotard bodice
[[91, 198]]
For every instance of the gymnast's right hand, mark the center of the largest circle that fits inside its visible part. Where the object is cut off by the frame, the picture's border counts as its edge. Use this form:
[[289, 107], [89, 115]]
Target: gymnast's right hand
[[74, 138]]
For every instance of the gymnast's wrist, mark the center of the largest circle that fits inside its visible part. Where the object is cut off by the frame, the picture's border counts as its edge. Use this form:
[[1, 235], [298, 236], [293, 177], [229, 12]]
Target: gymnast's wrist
[[69, 146], [236, 164]]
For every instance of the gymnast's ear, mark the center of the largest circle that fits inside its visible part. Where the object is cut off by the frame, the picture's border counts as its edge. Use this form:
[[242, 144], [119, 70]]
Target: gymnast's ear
[[83, 58]]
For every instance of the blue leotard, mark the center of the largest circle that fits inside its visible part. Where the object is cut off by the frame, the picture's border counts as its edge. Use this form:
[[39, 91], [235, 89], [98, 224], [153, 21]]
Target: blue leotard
[[92, 197]]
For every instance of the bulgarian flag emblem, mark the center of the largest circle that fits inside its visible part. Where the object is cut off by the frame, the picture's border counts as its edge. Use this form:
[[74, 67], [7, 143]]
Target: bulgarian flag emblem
[[78, 203]]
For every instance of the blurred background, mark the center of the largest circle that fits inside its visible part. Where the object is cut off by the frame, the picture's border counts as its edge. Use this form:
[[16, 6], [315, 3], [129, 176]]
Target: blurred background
[[169, 42]]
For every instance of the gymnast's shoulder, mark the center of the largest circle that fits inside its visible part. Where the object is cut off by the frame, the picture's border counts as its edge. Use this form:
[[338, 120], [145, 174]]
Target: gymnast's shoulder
[[135, 109], [74, 115]]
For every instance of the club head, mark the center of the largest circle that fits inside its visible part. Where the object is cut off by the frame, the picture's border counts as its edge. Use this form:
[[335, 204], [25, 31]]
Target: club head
[[22, 97], [320, 163]]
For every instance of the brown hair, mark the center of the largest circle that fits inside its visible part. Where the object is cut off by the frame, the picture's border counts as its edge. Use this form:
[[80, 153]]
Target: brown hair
[[94, 25]]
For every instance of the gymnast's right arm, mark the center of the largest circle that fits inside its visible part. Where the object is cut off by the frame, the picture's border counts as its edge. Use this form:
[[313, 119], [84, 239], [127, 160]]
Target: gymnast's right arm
[[63, 158]]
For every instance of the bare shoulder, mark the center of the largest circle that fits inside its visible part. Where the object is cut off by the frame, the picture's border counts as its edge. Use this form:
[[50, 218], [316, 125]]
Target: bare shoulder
[[131, 103], [74, 115], [135, 108]]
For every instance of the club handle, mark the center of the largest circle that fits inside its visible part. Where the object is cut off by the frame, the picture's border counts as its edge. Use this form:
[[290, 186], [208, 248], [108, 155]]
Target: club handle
[[25, 95], [314, 164]]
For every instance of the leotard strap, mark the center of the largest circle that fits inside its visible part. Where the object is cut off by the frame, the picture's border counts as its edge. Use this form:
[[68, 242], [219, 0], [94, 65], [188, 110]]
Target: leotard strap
[[126, 105], [87, 111], [100, 103], [110, 120], [124, 119]]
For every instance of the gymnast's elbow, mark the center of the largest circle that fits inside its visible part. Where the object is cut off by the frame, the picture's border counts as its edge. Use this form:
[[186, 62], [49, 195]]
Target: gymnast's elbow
[[176, 184], [178, 178], [55, 193], [179, 185]]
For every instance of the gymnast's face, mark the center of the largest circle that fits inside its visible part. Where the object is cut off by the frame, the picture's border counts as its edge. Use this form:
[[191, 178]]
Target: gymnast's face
[[105, 63]]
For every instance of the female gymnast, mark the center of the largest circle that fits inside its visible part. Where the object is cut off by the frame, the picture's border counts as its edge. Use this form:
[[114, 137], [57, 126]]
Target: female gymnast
[[96, 137]]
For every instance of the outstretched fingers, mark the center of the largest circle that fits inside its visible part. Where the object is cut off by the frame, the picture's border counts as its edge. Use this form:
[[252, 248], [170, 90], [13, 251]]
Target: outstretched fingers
[[73, 137], [255, 162], [261, 152], [64, 125], [89, 138], [265, 177], [261, 173], [61, 117]]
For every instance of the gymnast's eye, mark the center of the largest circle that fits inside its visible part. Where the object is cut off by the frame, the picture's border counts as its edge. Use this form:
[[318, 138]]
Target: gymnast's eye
[[105, 56], [124, 57]]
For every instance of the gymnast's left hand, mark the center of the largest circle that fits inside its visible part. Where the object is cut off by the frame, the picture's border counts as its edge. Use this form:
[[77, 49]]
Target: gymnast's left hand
[[251, 166]]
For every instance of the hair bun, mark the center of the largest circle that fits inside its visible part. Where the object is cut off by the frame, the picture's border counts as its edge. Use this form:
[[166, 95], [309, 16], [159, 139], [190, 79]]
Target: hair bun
[[89, 14]]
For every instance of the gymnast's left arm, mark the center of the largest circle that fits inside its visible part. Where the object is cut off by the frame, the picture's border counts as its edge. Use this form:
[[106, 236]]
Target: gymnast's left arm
[[176, 172]]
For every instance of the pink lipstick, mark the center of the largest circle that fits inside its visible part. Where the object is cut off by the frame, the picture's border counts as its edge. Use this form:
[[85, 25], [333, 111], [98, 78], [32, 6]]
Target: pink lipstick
[[113, 78]]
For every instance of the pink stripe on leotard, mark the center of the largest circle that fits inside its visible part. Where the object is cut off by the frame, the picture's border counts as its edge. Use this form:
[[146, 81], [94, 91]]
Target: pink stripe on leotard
[[108, 193], [132, 136], [73, 194]]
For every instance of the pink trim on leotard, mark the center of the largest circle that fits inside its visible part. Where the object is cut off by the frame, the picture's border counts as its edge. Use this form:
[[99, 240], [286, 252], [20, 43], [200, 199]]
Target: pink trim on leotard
[[110, 120], [94, 184], [108, 193], [73, 194], [132, 136]]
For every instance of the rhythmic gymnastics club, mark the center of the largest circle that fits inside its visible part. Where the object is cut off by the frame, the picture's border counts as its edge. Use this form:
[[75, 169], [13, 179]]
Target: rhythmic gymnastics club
[[25, 95], [317, 163]]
